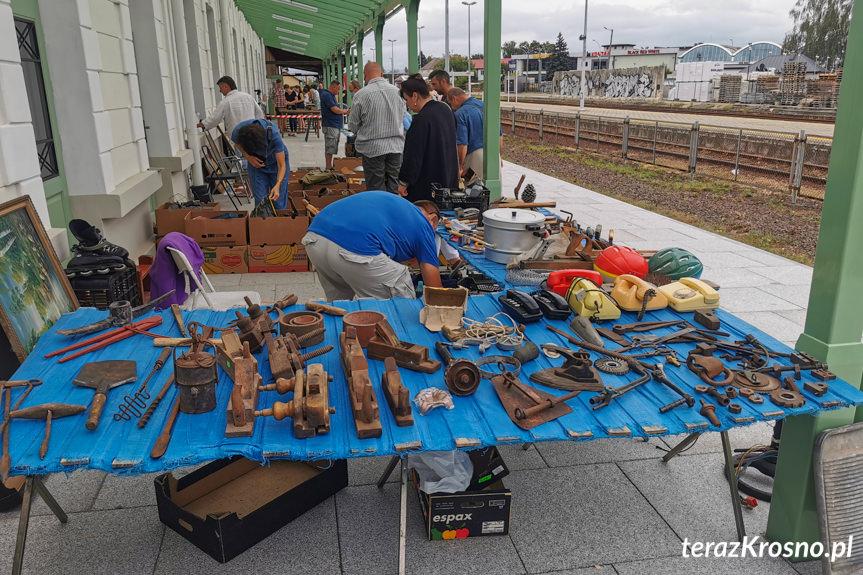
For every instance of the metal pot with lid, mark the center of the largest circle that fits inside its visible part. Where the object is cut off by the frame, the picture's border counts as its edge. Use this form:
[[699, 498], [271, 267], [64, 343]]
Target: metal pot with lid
[[511, 231]]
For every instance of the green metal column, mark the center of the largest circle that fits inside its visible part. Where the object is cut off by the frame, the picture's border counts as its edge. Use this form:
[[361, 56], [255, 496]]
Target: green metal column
[[349, 70], [379, 40], [411, 11], [491, 98], [835, 318], [360, 63]]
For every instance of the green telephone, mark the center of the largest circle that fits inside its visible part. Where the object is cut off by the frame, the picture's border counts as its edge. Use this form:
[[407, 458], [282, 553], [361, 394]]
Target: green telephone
[[634, 294], [690, 294], [588, 300]]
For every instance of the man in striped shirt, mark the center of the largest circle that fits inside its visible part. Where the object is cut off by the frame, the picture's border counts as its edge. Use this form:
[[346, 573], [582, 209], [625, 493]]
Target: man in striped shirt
[[376, 119]]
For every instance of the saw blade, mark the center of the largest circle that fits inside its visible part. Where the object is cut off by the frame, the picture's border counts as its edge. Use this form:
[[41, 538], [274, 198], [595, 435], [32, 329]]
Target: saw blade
[[611, 365]]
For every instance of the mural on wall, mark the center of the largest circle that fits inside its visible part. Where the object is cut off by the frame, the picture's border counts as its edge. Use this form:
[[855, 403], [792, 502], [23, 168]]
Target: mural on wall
[[643, 82]]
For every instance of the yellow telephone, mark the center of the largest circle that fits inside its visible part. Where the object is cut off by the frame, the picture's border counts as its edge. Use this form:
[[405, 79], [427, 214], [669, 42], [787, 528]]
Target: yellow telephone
[[634, 294], [690, 294], [588, 300]]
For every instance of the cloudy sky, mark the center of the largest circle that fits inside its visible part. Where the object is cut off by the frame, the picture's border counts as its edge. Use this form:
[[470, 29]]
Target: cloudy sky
[[645, 23]]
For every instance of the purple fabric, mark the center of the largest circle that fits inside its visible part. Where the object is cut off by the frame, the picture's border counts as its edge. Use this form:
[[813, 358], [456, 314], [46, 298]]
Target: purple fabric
[[164, 275]]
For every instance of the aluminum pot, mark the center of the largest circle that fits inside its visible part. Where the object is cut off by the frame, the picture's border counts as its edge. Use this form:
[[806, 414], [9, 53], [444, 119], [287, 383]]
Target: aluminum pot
[[511, 231]]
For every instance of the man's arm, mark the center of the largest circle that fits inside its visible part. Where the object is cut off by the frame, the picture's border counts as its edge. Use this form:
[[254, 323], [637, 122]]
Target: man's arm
[[355, 119], [462, 154], [215, 117], [280, 161], [431, 275]]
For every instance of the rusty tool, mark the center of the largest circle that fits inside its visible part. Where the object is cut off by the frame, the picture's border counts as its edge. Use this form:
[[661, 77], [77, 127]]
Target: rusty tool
[[165, 438], [286, 301], [518, 185], [196, 375], [518, 399], [364, 405], [106, 339], [385, 343], [310, 208], [461, 376], [103, 376], [147, 414], [178, 317], [396, 394], [576, 373], [6, 460], [323, 308], [301, 323], [180, 342], [120, 313], [310, 408], [133, 405], [646, 326], [708, 410], [48, 412]]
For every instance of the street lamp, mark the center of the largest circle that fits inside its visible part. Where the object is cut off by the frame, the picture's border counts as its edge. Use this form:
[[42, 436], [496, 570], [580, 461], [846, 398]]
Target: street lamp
[[392, 61], [583, 60], [610, 42], [468, 4], [420, 41]]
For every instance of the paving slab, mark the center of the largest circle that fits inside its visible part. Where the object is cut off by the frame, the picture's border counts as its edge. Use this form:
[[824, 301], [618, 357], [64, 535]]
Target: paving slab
[[308, 544], [798, 316], [225, 282], [738, 300], [725, 277], [789, 275], [704, 566], [122, 541], [367, 470], [74, 492], [595, 570], [699, 505], [566, 518], [798, 295], [368, 525], [567, 453], [808, 568], [120, 492], [517, 458]]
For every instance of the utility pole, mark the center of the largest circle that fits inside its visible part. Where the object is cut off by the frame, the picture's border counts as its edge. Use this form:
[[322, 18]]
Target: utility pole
[[610, 42], [392, 61], [583, 60], [446, 37], [420, 42], [468, 4]]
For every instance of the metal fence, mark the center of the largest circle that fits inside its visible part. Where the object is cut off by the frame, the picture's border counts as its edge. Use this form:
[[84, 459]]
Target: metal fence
[[782, 161]]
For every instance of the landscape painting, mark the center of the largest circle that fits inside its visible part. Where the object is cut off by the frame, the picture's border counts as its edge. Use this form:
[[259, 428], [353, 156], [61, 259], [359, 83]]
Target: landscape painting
[[34, 291]]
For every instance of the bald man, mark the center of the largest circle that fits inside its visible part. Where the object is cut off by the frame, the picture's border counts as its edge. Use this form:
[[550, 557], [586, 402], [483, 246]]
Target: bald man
[[376, 119]]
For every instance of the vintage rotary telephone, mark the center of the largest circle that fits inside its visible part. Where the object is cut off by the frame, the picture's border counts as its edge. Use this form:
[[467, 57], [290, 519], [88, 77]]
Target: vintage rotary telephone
[[588, 300], [634, 294], [690, 294]]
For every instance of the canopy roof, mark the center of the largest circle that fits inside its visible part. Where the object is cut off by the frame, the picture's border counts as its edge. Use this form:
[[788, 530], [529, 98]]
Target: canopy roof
[[314, 28]]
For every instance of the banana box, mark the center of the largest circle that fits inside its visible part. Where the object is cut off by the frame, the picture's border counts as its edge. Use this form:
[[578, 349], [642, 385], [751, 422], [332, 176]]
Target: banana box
[[225, 260], [284, 258]]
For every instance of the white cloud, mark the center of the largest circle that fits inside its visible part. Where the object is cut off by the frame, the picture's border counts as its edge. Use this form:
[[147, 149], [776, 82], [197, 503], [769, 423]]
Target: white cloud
[[640, 22]]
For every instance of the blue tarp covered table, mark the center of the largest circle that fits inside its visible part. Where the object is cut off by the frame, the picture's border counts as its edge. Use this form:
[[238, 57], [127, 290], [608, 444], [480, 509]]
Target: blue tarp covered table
[[478, 420]]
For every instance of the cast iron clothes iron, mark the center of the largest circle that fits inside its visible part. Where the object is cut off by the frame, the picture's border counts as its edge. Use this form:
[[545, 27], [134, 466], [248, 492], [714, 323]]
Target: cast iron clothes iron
[[520, 401]]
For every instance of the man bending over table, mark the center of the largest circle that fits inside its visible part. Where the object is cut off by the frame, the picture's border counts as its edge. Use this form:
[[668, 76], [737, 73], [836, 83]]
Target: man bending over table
[[356, 245]]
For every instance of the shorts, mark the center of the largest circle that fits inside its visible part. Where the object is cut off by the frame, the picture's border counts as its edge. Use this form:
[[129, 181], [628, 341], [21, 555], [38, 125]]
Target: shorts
[[331, 140]]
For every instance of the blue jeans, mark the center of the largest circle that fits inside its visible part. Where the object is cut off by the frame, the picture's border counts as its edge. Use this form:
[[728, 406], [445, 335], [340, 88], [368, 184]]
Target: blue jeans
[[262, 182], [292, 122]]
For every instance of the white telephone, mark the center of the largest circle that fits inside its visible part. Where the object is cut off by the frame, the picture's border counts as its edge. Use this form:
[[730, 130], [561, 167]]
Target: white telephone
[[690, 294]]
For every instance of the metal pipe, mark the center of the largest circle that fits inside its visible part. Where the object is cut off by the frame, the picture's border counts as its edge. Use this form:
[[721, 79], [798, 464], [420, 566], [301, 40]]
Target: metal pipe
[[446, 36], [226, 40], [185, 74], [583, 60], [468, 4]]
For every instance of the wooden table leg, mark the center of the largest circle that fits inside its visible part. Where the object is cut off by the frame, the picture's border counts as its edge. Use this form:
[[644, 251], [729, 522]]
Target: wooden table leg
[[33, 483]]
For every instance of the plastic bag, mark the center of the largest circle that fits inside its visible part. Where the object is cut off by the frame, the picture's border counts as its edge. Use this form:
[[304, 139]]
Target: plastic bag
[[442, 471]]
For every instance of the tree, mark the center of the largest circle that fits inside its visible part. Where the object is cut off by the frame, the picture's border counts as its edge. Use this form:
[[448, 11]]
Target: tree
[[509, 49], [820, 30], [559, 60]]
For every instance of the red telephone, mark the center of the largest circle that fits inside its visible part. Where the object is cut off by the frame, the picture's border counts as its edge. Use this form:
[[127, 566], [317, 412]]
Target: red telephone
[[559, 280]]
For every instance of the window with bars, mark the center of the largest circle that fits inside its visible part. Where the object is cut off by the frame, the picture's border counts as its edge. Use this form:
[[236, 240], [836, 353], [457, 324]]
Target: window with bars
[[31, 63]]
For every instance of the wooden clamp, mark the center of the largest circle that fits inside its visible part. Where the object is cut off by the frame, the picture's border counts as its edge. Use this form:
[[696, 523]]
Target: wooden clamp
[[310, 408], [385, 343], [362, 395], [397, 394]]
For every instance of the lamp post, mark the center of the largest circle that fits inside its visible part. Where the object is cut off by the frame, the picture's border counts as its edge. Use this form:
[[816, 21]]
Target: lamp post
[[446, 36], [392, 61], [610, 42], [468, 4], [583, 60], [420, 42]]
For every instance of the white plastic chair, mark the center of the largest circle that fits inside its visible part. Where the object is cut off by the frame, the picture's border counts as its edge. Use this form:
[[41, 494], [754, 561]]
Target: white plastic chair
[[217, 301]]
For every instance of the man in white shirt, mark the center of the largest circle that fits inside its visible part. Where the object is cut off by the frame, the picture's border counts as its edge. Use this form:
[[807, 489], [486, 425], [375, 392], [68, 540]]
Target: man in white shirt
[[234, 108]]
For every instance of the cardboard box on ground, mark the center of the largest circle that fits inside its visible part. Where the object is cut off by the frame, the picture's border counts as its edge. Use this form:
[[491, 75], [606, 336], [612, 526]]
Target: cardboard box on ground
[[483, 509], [172, 218], [278, 258], [212, 230], [230, 505], [225, 259]]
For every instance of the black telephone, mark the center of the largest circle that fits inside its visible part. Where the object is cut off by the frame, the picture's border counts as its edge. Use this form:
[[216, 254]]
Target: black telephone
[[553, 305], [520, 305]]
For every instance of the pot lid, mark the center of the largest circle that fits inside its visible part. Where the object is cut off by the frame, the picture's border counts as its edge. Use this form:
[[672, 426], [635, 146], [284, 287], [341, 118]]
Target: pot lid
[[513, 216]]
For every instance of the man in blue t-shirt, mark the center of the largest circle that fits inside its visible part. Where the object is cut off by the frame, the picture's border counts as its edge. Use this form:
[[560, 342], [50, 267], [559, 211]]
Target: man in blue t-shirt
[[468, 135], [356, 245], [331, 122], [262, 145]]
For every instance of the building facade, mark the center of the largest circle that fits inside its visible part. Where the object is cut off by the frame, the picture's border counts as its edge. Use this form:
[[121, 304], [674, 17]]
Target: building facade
[[96, 100]]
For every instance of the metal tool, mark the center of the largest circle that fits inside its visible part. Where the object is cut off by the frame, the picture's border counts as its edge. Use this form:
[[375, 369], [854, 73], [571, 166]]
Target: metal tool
[[155, 403], [106, 339], [6, 460], [584, 329], [323, 308], [120, 314], [646, 326], [309, 409], [178, 317], [48, 412], [196, 376], [165, 437], [576, 373], [461, 376], [104, 376], [386, 343], [286, 301], [708, 410], [134, 405], [519, 400]]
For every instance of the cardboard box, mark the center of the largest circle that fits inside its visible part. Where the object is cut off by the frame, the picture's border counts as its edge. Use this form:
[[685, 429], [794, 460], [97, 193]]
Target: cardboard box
[[350, 163], [467, 513], [488, 468], [217, 232], [286, 258], [280, 230], [225, 260], [229, 505], [330, 194], [170, 218]]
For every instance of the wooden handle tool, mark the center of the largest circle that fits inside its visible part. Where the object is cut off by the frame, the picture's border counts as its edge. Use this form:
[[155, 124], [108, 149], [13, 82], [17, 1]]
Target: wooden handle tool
[[323, 308], [178, 317], [179, 341], [310, 208], [6, 460], [165, 438], [147, 414]]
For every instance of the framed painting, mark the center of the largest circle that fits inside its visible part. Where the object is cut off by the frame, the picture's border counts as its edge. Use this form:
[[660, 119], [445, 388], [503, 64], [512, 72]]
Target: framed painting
[[34, 291]]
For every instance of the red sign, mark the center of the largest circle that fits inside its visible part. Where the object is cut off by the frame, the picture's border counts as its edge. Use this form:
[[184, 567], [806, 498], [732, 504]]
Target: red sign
[[602, 53]]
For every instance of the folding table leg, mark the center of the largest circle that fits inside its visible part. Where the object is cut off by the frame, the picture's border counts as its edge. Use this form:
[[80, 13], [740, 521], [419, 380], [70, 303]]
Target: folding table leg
[[674, 451], [32, 484], [394, 460], [732, 482], [403, 518]]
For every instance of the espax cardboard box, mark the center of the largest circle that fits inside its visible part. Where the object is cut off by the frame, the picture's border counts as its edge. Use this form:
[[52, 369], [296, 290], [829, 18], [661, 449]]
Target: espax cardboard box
[[225, 260]]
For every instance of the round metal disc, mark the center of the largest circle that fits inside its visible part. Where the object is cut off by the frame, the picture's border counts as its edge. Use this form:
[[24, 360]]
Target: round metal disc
[[611, 365]]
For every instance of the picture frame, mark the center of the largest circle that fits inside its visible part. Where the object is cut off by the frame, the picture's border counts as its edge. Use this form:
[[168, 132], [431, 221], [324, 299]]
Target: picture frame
[[34, 290]]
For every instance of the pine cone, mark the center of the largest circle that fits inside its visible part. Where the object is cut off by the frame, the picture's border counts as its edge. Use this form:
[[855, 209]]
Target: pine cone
[[528, 195]]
